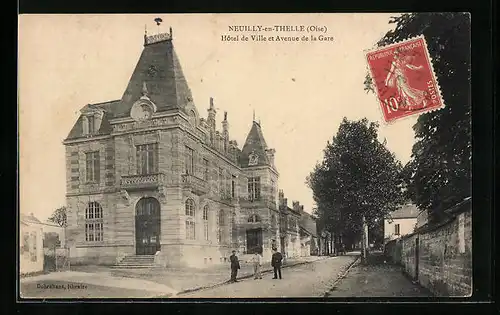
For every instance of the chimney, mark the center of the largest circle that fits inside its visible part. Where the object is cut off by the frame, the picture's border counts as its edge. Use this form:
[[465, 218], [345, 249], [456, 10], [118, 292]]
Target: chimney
[[211, 122], [270, 155], [295, 205], [225, 133]]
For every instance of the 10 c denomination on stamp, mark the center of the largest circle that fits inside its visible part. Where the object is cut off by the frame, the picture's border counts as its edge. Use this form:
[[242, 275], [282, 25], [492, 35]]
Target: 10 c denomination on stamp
[[404, 79]]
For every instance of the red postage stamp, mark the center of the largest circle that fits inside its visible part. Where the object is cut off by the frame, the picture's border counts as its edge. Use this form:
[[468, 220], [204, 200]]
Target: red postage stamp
[[404, 79]]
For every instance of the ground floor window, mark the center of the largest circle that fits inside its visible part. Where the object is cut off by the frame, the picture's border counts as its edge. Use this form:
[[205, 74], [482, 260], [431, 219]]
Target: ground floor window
[[94, 225], [190, 230]]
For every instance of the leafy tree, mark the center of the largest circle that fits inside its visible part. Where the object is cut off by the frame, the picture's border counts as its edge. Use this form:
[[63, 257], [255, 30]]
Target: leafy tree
[[59, 217], [439, 173], [51, 240], [357, 177]]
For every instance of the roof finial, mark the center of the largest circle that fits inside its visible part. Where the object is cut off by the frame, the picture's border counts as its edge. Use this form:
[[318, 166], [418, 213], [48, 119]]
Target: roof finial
[[225, 116], [170, 32], [158, 22], [145, 30], [144, 89], [254, 115]]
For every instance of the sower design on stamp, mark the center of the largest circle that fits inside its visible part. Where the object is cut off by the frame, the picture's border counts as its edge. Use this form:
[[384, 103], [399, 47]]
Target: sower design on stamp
[[404, 79]]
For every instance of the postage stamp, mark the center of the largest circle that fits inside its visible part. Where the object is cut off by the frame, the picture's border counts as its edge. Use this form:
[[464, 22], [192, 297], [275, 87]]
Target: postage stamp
[[404, 79]]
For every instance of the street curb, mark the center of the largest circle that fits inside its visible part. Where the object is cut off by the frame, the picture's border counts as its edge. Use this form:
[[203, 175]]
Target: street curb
[[343, 275], [241, 278]]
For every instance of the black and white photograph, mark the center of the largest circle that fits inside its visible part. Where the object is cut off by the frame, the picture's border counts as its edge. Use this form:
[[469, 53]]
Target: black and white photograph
[[185, 156]]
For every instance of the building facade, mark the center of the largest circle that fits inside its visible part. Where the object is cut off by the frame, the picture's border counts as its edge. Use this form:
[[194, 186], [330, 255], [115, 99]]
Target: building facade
[[30, 245], [289, 230], [401, 222], [148, 175], [308, 234]]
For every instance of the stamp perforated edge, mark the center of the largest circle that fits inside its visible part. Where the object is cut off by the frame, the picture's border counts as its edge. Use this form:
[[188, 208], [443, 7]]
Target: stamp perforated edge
[[434, 78]]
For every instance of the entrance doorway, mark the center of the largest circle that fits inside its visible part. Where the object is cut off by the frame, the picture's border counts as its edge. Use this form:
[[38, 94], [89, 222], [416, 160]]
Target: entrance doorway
[[147, 226], [254, 241]]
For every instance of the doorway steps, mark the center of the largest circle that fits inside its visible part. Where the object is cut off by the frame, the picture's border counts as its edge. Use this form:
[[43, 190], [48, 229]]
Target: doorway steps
[[136, 262]]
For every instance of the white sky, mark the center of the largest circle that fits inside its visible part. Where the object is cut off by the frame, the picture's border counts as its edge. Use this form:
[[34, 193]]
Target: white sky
[[67, 61]]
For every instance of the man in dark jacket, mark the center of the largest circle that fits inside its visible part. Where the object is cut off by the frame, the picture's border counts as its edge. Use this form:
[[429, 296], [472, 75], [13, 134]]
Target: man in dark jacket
[[235, 265], [276, 263]]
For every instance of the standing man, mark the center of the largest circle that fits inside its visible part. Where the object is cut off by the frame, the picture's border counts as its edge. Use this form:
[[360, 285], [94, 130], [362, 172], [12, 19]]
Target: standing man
[[276, 263], [257, 263], [235, 265]]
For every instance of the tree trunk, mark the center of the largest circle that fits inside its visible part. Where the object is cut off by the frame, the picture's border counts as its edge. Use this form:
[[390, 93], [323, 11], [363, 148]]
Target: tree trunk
[[364, 241]]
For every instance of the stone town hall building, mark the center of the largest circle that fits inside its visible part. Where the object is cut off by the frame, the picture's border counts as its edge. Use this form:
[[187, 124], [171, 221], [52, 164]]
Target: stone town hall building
[[149, 175]]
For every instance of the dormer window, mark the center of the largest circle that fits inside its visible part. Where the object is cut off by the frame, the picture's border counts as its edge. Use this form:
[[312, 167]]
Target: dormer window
[[91, 122]]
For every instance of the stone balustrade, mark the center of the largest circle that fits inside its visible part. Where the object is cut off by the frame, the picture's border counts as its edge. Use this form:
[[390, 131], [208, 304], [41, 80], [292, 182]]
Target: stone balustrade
[[197, 185], [142, 181]]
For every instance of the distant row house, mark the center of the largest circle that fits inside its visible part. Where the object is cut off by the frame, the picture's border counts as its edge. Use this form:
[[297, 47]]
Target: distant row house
[[402, 221], [35, 238]]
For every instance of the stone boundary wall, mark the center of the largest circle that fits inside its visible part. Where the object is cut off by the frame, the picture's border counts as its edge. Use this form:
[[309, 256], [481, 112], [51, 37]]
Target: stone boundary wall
[[439, 257]]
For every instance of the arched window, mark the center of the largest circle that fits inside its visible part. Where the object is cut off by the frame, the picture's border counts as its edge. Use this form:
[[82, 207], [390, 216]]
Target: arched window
[[221, 217], [93, 222], [220, 223], [190, 208], [190, 220], [254, 218], [205, 222]]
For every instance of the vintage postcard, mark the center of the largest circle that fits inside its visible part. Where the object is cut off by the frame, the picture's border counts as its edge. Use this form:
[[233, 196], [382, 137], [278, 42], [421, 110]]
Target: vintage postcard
[[182, 156]]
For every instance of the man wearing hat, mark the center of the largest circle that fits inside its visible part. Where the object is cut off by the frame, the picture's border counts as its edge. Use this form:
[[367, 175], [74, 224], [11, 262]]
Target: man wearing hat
[[235, 265]]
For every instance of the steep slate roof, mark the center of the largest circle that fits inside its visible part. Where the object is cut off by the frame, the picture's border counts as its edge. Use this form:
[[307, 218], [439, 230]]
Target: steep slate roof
[[29, 218], [308, 223], [160, 70], [255, 143], [405, 212]]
